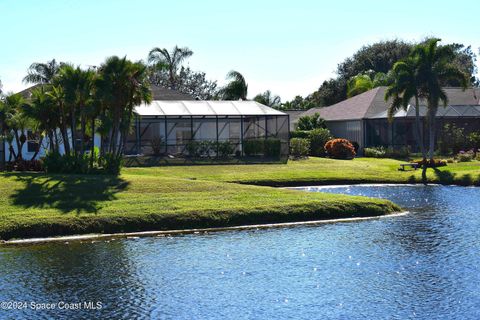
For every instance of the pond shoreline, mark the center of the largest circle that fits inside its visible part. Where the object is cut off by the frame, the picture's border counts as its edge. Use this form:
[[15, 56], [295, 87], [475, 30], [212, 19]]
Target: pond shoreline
[[166, 233]]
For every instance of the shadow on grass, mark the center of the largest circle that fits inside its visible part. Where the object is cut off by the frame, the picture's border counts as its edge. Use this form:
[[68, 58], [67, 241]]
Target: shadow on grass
[[67, 193]]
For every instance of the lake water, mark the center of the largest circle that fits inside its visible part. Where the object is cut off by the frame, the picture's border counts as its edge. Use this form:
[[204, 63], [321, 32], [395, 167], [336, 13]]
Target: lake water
[[423, 265]]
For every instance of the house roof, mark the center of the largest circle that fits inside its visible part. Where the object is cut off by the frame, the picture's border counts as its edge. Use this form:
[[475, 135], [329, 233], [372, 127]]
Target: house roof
[[205, 108], [372, 105], [161, 93]]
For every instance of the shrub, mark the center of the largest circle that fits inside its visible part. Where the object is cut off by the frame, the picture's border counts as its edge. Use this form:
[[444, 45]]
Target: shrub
[[474, 140], [55, 162], [300, 134], [318, 138], [465, 156], [374, 152], [253, 147], [206, 148], [452, 139], [299, 148], [310, 122], [224, 149], [382, 152], [24, 165], [157, 145], [193, 148], [272, 147], [111, 164], [340, 149]]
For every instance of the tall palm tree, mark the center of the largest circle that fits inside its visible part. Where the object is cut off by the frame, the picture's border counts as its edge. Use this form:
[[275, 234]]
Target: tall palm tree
[[57, 97], [236, 89], [435, 67], [42, 72], [171, 61], [122, 85], [402, 90], [268, 99]]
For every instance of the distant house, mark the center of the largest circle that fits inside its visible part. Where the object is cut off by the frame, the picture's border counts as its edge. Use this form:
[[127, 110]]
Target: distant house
[[363, 118], [173, 119]]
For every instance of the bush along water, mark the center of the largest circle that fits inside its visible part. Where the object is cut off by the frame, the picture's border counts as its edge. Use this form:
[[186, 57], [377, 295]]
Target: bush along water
[[340, 149]]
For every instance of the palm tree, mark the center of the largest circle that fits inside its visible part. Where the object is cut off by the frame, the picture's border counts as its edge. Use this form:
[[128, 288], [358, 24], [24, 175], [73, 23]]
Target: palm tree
[[236, 89], [403, 89], [268, 99], [122, 85], [366, 81], [57, 97], [171, 61], [45, 117], [14, 123], [434, 68], [42, 72]]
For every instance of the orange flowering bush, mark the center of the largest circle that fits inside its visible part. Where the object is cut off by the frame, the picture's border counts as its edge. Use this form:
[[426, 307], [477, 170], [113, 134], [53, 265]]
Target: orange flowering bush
[[340, 149]]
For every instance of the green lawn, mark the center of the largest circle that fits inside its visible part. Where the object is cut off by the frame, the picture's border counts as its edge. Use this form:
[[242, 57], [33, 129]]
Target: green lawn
[[177, 197], [37, 205], [319, 171]]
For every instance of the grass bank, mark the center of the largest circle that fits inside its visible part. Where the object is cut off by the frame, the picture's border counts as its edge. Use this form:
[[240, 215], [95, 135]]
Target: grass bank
[[38, 205], [319, 171]]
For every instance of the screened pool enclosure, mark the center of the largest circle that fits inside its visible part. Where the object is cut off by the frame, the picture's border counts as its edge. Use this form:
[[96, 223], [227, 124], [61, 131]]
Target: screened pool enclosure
[[208, 129]]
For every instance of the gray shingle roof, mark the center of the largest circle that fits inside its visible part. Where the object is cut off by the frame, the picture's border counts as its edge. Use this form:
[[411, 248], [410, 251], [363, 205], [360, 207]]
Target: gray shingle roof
[[371, 104]]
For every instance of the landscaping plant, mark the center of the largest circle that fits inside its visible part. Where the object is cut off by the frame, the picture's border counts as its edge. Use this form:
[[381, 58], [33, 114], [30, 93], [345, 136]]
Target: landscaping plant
[[340, 149]]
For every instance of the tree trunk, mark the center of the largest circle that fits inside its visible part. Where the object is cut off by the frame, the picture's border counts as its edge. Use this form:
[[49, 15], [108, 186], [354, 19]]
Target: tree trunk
[[419, 130], [73, 132], [38, 149], [82, 135], [431, 127], [51, 144], [92, 149], [19, 145]]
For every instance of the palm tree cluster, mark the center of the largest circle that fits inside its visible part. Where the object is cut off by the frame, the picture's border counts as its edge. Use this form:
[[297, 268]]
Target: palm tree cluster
[[70, 104], [421, 77]]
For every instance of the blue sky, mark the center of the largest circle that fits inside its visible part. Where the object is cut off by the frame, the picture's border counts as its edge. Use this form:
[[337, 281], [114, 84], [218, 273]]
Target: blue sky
[[289, 47]]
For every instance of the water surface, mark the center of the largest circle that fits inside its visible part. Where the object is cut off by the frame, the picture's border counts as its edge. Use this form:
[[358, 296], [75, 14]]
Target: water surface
[[424, 265]]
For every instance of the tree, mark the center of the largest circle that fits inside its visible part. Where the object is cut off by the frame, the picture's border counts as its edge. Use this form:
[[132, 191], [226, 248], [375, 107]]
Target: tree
[[45, 118], [268, 99], [236, 89], [435, 68], [161, 59], [14, 123], [380, 57], [188, 81], [122, 85], [42, 72], [401, 91], [367, 81], [312, 122], [298, 103]]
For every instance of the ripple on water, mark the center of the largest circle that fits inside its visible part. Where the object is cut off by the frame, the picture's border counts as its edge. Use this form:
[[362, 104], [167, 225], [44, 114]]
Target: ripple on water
[[422, 265]]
